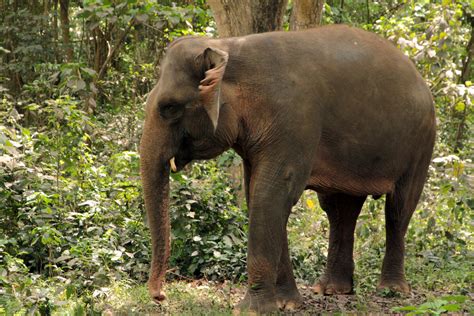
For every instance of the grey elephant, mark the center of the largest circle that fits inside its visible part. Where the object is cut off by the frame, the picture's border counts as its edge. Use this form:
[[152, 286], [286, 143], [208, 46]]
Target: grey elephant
[[334, 109]]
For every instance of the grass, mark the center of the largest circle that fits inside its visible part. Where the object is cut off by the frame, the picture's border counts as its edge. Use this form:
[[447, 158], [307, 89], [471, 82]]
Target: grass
[[431, 284], [211, 298], [183, 298], [439, 271]]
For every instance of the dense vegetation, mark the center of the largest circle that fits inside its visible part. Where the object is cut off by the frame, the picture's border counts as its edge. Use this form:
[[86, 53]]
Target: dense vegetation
[[73, 234]]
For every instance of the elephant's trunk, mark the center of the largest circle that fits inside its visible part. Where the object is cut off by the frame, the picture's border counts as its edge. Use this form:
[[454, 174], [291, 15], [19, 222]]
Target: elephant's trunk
[[156, 191], [159, 222], [154, 169]]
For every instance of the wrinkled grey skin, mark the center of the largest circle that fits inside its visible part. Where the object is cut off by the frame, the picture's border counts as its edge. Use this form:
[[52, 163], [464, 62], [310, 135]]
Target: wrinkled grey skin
[[335, 109]]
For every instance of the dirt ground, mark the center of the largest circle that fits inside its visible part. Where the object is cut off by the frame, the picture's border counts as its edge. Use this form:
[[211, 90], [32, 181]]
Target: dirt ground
[[200, 297], [314, 303], [376, 303]]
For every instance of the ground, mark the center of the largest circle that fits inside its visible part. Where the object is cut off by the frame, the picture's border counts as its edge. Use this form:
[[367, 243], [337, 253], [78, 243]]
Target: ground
[[211, 298]]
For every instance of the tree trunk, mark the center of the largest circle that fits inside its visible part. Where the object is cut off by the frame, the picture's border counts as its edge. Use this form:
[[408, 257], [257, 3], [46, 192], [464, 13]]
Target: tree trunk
[[237, 18], [306, 14], [64, 14], [99, 47]]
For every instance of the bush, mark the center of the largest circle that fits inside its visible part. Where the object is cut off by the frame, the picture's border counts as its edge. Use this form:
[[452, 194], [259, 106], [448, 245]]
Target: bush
[[208, 228], [72, 221]]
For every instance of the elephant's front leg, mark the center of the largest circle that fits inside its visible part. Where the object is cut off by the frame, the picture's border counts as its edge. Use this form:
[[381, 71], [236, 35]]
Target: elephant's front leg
[[288, 297], [271, 195]]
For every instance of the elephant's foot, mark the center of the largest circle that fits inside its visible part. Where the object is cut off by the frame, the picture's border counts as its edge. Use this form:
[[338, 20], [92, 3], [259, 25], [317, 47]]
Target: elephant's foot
[[288, 299], [328, 286], [395, 285], [155, 291], [254, 305]]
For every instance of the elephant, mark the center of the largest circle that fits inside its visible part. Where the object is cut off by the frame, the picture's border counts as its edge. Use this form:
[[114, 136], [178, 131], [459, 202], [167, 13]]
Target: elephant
[[333, 109]]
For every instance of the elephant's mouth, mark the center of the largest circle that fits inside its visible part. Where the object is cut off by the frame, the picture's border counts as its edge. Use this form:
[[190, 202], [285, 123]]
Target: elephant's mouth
[[177, 164], [183, 155]]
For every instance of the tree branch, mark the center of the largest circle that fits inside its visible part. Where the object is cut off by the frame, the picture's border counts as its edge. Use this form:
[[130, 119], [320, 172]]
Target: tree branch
[[114, 49]]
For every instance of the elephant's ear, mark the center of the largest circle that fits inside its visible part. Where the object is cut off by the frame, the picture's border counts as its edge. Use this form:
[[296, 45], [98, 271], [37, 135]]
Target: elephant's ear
[[213, 62]]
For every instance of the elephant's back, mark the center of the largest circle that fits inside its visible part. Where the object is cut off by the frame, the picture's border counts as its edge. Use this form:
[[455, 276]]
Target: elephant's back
[[332, 63], [371, 111]]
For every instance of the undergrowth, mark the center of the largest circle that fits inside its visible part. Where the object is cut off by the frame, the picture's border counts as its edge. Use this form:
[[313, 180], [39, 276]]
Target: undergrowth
[[73, 234]]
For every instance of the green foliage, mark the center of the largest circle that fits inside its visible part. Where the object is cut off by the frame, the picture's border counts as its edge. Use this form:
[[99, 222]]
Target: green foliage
[[73, 235], [21, 46], [308, 229], [435, 36], [208, 228], [67, 215], [446, 304]]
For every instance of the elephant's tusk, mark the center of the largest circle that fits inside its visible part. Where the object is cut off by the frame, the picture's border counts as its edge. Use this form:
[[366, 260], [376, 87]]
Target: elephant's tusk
[[173, 165]]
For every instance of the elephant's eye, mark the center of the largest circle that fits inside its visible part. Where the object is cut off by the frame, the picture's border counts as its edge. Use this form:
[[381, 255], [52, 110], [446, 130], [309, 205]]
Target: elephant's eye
[[166, 107], [171, 111]]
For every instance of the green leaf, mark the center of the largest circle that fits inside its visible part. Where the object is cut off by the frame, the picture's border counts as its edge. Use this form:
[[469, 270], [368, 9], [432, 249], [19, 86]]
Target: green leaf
[[404, 308], [433, 305], [460, 106], [117, 254], [142, 18], [227, 241], [455, 298], [76, 84], [452, 307], [89, 71]]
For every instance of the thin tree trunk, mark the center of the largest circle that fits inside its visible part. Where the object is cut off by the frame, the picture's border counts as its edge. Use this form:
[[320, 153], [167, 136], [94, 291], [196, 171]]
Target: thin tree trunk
[[465, 75], [46, 7], [64, 14], [466, 69], [340, 16], [113, 50], [306, 14], [237, 18], [368, 11], [100, 48], [55, 29]]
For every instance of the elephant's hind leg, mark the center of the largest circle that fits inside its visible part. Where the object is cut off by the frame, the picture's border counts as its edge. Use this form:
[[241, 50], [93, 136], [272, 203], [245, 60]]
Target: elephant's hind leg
[[399, 207], [342, 211]]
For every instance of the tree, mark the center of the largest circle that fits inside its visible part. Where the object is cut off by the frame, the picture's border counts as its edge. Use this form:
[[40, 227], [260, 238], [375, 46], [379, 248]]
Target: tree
[[306, 14], [64, 12], [237, 18]]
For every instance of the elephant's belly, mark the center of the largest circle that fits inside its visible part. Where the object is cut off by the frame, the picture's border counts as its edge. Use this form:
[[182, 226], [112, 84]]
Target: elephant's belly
[[326, 184], [354, 166], [326, 179]]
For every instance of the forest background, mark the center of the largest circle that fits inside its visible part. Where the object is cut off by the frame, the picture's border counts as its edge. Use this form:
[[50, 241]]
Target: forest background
[[73, 237]]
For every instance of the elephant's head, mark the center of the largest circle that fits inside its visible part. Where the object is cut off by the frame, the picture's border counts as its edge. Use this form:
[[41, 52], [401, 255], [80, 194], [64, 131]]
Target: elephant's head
[[185, 120]]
